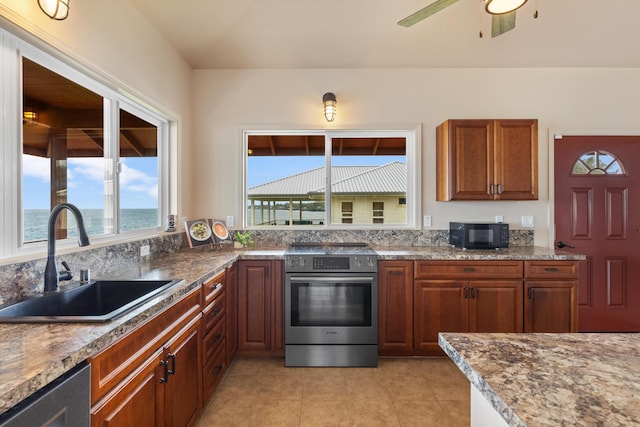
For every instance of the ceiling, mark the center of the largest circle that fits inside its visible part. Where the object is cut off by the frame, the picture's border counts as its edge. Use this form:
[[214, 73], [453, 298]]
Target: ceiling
[[214, 34]]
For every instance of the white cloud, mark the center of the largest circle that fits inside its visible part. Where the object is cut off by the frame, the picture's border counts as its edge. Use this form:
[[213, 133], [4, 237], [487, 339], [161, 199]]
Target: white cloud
[[136, 180], [36, 167]]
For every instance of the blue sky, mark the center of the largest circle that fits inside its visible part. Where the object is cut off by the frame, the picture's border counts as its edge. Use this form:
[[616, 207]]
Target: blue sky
[[263, 169], [138, 182]]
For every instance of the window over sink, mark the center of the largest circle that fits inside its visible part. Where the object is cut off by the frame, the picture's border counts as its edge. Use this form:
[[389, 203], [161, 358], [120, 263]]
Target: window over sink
[[373, 180], [69, 136]]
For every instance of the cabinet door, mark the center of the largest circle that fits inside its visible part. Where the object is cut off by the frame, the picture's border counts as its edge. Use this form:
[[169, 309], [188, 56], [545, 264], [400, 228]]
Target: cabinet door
[[183, 395], [516, 159], [550, 306], [495, 306], [464, 159], [395, 307], [231, 278], [438, 306], [137, 401], [254, 306]]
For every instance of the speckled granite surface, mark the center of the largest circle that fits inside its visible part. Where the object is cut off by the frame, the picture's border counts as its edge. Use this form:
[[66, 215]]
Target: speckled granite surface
[[449, 253], [34, 355], [553, 379]]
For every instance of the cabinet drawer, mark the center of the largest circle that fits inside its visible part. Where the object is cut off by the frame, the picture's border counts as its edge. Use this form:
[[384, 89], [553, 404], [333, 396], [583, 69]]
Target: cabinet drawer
[[212, 373], [212, 288], [468, 269], [550, 269], [213, 313], [214, 341], [118, 360]]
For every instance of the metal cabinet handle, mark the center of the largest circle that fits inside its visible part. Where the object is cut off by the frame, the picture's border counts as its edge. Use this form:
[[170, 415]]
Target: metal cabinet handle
[[466, 292], [468, 269], [216, 338], [165, 364], [492, 189], [396, 273], [217, 370], [215, 312], [499, 188], [172, 371], [216, 286], [551, 269], [562, 244], [530, 293], [473, 292]]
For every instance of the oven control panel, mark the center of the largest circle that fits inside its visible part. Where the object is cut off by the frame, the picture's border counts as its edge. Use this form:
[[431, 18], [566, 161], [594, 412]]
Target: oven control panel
[[310, 263]]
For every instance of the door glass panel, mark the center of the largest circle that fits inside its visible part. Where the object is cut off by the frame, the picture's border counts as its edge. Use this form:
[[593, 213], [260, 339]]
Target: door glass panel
[[597, 163], [318, 304]]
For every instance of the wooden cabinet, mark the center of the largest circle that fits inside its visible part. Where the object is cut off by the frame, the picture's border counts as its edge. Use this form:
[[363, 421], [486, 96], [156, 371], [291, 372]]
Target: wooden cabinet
[[260, 308], [395, 308], [551, 302], [487, 160], [231, 284], [214, 316], [419, 300], [152, 376]]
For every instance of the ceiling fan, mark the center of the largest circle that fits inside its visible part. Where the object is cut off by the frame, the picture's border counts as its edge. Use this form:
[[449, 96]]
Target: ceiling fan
[[503, 14]]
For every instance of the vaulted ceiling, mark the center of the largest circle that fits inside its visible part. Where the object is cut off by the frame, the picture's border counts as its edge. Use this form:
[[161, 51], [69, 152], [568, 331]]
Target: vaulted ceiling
[[213, 34]]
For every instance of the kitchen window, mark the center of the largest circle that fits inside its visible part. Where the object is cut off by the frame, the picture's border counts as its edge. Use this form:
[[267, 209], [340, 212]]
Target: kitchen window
[[288, 184], [78, 141]]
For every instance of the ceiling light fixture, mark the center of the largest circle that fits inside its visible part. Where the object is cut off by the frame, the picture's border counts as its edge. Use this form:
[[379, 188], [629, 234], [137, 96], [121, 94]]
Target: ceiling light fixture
[[55, 9], [329, 101], [500, 7]]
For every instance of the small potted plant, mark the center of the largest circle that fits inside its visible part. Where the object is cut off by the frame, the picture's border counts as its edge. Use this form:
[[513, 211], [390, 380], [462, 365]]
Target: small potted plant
[[241, 239]]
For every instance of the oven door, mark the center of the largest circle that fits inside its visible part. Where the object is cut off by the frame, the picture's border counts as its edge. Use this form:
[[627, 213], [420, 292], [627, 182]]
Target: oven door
[[339, 308]]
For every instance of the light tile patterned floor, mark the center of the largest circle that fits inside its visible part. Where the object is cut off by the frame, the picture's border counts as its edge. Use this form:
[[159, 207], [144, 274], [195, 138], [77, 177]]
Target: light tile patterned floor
[[400, 392]]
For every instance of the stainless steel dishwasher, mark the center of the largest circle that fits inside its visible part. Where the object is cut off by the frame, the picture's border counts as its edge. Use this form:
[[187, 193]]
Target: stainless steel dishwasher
[[63, 403]]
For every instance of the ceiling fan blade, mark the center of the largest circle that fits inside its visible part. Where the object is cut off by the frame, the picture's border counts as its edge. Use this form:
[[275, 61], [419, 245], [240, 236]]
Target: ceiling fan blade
[[425, 12], [500, 24]]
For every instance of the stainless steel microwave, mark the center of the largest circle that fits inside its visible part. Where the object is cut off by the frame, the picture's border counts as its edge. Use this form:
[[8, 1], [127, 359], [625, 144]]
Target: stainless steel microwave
[[479, 235]]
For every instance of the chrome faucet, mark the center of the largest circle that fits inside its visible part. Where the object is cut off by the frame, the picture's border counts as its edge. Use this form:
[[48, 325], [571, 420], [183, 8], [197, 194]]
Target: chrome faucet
[[51, 275]]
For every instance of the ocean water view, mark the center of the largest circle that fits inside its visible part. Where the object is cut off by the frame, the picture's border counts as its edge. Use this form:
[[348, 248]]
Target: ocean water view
[[36, 222]]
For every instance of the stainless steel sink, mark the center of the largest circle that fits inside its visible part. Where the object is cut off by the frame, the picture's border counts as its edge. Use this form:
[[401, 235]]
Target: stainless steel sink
[[99, 301]]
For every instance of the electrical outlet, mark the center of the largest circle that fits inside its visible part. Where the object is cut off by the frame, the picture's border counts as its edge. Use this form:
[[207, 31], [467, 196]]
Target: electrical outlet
[[427, 221], [527, 221], [145, 250], [230, 221], [499, 218]]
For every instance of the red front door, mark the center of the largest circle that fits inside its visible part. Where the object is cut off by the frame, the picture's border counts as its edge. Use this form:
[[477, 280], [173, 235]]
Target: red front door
[[597, 212]]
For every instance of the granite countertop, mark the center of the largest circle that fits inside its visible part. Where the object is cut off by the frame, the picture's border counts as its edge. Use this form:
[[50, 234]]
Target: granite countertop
[[553, 379], [449, 253], [33, 355]]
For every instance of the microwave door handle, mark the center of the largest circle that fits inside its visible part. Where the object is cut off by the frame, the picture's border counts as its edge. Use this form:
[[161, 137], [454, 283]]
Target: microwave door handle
[[330, 279]]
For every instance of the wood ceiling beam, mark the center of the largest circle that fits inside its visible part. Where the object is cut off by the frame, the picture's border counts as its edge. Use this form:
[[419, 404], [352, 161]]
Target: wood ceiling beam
[[133, 141], [272, 145]]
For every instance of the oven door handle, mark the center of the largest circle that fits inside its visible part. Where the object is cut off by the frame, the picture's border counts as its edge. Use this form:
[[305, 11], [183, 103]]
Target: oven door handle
[[332, 279]]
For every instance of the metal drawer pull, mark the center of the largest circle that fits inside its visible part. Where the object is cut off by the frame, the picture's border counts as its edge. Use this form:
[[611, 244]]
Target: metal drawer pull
[[396, 273], [530, 293], [216, 286], [215, 312], [466, 292], [551, 269], [165, 364], [216, 338], [468, 269], [217, 370], [172, 371]]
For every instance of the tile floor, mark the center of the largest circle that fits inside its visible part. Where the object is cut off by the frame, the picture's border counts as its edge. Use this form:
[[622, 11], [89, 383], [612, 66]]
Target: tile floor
[[400, 392]]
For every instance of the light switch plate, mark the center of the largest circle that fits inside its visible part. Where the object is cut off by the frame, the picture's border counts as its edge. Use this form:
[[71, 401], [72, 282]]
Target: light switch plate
[[427, 221], [527, 221], [229, 220], [499, 218]]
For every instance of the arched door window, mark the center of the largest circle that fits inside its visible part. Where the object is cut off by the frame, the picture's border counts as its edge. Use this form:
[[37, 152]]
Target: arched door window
[[597, 163]]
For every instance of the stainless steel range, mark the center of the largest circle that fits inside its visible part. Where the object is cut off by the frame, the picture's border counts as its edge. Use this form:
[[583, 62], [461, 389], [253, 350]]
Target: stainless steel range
[[331, 305]]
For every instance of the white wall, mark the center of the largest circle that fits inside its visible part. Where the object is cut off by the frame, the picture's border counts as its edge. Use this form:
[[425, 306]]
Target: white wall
[[112, 39], [225, 101]]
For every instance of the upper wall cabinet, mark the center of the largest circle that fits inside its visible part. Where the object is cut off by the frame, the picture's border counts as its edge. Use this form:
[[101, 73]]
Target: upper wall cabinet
[[487, 160]]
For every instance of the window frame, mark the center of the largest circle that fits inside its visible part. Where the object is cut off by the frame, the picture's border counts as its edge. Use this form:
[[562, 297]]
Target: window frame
[[413, 137], [12, 49]]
